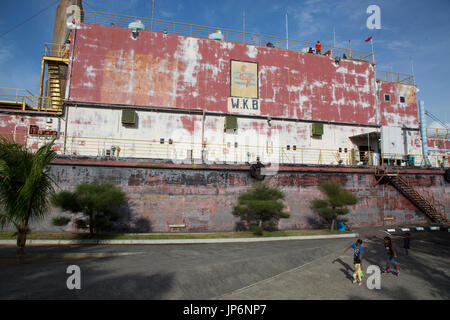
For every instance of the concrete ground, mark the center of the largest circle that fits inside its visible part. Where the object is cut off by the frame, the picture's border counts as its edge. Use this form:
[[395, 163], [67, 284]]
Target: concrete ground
[[306, 269], [424, 274]]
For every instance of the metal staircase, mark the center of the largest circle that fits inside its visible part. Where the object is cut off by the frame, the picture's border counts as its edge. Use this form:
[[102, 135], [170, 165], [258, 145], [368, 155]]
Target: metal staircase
[[55, 91], [56, 60], [411, 194]]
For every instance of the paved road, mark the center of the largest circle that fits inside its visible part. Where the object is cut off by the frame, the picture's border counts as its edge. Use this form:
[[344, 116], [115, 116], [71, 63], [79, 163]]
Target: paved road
[[308, 269], [424, 274], [156, 271]]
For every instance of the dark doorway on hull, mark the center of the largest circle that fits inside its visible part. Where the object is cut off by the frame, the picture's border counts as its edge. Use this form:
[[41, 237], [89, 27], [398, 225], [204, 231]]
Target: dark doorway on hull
[[364, 154]]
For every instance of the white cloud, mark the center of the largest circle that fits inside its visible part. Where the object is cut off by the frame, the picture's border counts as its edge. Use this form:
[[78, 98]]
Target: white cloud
[[396, 45], [5, 52], [166, 14], [438, 125]]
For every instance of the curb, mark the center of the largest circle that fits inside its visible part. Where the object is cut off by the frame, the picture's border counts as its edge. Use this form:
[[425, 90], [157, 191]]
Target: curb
[[177, 241], [431, 228]]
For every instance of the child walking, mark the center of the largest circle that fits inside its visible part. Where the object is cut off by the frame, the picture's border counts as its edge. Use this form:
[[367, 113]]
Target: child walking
[[357, 260], [391, 255]]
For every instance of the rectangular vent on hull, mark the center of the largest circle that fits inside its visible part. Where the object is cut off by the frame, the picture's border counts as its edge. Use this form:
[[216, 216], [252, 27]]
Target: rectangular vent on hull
[[317, 129], [128, 116]]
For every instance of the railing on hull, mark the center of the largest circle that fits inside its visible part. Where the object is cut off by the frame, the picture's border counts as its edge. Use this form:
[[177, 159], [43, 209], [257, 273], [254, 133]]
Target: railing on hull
[[22, 99], [397, 77], [192, 30], [438, 133], [183, 152]]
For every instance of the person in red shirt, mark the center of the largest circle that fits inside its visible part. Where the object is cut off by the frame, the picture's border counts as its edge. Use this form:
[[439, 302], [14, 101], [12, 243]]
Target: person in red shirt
[[318, 47]]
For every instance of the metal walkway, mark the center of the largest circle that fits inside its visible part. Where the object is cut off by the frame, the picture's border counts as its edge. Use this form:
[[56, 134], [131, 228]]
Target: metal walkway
[[430, 209]]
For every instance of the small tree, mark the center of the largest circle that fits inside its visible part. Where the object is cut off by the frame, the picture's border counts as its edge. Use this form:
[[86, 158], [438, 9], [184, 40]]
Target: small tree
[[261, 205], [99, 202], [26, 186], [334, 206]]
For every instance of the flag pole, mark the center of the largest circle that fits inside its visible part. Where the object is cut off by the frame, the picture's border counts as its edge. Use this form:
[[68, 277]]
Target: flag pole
[[243, 23], [373, 55], [349, 49], [153, 8], [287, 34], [334, 41]]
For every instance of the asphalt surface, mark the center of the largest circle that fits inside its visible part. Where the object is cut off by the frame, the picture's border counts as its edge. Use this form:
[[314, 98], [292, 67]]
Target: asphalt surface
[[306, 269], [424, 273], [154, 271]]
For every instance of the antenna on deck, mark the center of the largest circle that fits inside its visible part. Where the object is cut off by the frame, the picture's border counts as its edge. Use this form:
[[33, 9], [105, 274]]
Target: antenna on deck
[[287, 34], [151, 21], [412, 71], [334, 41], [243, 24]]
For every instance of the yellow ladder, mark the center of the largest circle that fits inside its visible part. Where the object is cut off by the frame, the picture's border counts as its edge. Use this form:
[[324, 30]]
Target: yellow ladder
[[56, 81], [54, 86]]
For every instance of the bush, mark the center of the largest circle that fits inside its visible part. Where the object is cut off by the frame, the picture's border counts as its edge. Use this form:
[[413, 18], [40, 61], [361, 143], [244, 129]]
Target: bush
[[99, 203], [261, 206], [60, 221], [334, 206], [257, 230], [271, 226]]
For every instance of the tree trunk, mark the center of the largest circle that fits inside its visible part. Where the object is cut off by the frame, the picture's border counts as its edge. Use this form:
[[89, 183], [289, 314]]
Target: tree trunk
[[21, 240], [91, 227], [333, 221]]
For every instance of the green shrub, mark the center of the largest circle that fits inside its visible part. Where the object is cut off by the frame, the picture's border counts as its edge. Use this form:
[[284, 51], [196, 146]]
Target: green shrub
[[257, 230], [261, 206], [60, 221], [99, 203], [334, 206]]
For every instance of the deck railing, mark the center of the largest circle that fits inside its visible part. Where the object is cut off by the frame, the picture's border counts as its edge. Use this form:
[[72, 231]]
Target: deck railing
[[229, 153], [22, 99], [56, 50], [438, 133], [395, 77], [187, 152], [192, 30]]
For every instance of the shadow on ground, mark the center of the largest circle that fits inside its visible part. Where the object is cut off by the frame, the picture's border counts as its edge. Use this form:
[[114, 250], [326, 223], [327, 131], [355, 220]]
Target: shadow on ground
[[427, 258], [348, 271], [48, 281]]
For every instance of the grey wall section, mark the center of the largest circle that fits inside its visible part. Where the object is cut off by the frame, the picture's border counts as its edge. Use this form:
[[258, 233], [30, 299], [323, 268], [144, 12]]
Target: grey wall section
[[202, 199]]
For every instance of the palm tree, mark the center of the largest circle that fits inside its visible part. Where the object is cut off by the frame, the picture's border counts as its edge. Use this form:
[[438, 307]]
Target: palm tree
[[25, 186]]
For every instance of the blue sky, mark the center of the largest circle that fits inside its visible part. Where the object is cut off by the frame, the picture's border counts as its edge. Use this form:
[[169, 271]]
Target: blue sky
[[411, 30]]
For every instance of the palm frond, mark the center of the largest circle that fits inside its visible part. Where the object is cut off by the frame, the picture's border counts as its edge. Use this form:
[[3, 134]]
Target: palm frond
[[33, 199], [25, 184]]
